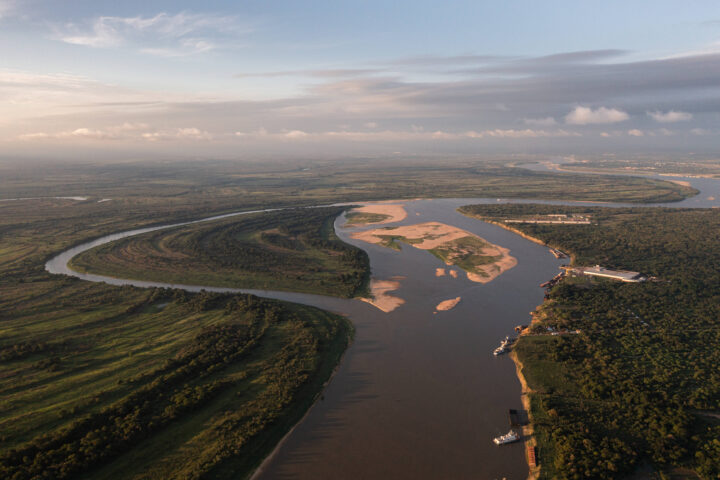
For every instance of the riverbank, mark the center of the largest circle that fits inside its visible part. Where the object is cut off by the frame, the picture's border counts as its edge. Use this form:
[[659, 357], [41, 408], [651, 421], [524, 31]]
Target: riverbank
[[527, 430]]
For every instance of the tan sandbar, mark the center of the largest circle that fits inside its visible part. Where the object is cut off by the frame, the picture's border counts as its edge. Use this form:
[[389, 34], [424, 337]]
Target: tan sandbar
[[446, 305], [381, 299], [439, 272], [430, 235]]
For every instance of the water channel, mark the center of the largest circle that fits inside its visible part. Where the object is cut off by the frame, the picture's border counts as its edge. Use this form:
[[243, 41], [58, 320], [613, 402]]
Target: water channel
[[419, 394]]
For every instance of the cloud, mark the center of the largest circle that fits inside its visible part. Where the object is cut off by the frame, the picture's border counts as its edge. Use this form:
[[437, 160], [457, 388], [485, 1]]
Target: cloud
[[670, 116], [636, 133], [540, 122], [318, 73], [163, 34], [187, 133], [6, 8], [587, 116], [125, 131]]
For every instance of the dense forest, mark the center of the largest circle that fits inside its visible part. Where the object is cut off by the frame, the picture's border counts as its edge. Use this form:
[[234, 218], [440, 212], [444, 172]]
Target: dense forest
[[640, 385], [294, 249]]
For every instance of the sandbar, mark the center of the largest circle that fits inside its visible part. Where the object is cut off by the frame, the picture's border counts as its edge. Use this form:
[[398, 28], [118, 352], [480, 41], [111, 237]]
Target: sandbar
[[394, 212], [381, 298], [439, 272], [456, 245], [446, 305]]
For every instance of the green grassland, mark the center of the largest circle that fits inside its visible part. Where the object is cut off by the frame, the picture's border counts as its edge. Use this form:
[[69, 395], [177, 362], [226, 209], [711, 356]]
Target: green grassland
[[633, 388], [364, 218], [294, 250]]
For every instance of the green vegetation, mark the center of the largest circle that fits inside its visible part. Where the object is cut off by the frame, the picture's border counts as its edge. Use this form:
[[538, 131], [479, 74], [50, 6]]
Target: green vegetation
[[216, 186], [154, 383], [393, 241], [113, 382], [637, 384], [466, 253], [363, 218], [295, 250], [690, 166]]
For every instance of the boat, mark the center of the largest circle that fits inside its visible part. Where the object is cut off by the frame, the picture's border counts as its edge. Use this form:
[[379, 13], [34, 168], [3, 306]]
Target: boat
[[510, 437], [499, 351]]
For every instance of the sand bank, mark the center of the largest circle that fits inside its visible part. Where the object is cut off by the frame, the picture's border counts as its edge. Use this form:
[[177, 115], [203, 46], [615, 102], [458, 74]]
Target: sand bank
[[439, 272], [446, 305], [381, 298], [453, 273], [434, 235], [394, 212]]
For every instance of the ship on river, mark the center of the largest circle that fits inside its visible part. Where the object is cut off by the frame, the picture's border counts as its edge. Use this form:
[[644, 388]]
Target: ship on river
[[510, 437]]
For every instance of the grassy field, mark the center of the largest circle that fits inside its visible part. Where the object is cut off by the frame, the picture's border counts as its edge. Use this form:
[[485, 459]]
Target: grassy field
[[294, 250], [634, 388]]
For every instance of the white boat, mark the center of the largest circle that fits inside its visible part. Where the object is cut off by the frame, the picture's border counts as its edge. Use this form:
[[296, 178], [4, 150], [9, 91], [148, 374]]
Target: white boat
[[499, 351], [510, 437]]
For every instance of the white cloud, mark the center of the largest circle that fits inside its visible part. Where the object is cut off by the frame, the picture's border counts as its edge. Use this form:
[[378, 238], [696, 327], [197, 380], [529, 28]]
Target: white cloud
[[296, 134], [163, 34], [540, 122], [700, 132], [670, 116], [125, 131], [586, 116], [636, 133], [189, 133]]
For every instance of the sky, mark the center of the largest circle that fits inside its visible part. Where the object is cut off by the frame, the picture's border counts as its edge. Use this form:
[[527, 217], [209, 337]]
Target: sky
[[241, 79]]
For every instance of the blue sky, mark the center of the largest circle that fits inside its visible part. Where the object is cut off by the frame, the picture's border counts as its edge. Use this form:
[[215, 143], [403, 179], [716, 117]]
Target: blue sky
[[229, 79]]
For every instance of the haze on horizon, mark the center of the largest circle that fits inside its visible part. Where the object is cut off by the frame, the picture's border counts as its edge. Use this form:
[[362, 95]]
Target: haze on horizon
[[226, 80]]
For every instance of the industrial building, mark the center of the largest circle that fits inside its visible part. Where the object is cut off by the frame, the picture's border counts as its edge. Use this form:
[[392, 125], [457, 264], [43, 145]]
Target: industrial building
[[598, 271]]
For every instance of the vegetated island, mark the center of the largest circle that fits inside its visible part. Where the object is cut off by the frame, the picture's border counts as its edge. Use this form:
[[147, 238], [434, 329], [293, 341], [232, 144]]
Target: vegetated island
[[294, 250], [623, 376], [375, 213], [481, 260]]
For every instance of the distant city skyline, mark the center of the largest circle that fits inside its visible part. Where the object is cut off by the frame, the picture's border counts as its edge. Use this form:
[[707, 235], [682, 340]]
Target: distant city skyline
[[222, 79]]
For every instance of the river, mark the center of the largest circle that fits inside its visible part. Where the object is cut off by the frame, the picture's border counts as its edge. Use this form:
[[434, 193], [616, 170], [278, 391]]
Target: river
[[419, 394]]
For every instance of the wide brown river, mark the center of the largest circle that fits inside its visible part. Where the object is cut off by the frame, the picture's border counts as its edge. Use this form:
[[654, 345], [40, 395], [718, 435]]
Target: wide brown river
[[419, 394]]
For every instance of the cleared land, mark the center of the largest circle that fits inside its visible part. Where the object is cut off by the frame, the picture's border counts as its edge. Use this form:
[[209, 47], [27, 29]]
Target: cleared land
[[628, 390], [481, 260]]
